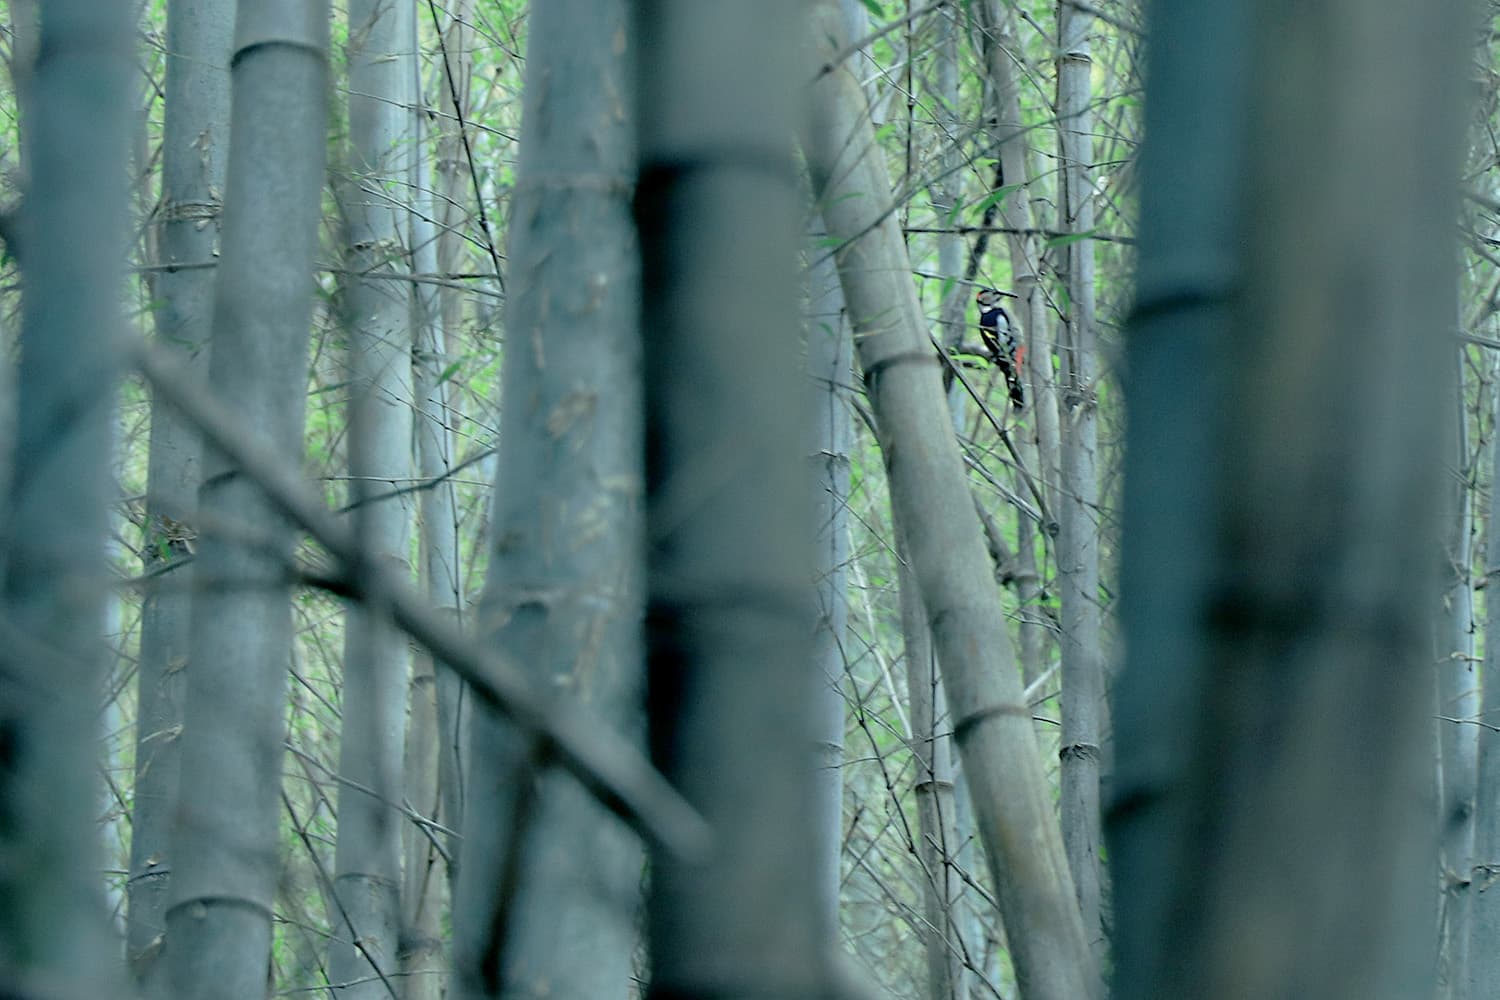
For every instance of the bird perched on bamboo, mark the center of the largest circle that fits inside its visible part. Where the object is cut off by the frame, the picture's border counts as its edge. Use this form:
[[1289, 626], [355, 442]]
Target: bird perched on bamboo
[[1002, 340]]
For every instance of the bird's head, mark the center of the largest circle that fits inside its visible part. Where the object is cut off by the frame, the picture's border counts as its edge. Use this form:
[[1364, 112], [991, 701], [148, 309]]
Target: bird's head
[[990, 298]]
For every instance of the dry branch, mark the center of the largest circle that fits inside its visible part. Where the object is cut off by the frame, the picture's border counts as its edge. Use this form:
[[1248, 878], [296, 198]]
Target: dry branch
[[609, 766]]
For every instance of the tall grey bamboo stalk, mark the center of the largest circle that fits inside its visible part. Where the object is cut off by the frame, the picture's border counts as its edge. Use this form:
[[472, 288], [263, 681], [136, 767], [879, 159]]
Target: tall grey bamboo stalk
[[225, 841], [1191, 218], [830, 363], [933, 507], [1280, 535], [730, 617], [947, 193], [1018, 213], [1458, 700], [933, 777], [1483, 969], [377, 313], [937, 828], [430, 763], [444, 405], [195, 143], [549, 897], [54, 940], [1077, 498]]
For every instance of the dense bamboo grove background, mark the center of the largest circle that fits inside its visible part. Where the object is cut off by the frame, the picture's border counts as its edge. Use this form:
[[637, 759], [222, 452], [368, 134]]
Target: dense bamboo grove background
[[1182, 697]]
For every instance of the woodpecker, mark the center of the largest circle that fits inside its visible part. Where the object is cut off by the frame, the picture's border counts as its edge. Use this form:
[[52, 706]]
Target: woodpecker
[[1000, 339]]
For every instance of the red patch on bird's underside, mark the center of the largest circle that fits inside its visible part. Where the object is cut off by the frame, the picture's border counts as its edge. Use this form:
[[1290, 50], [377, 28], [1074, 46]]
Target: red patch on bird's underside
[[1020, 356]]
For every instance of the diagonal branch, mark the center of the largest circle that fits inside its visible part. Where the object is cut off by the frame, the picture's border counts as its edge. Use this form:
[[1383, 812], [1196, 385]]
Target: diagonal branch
[[610, 767]]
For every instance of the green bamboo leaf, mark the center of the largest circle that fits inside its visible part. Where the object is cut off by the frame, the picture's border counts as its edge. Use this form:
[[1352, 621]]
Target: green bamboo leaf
[[1064, 240], [1000, 193]]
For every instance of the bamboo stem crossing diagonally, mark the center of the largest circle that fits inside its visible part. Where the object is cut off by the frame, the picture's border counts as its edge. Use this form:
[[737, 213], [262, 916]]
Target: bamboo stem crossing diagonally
[[607, 765]]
